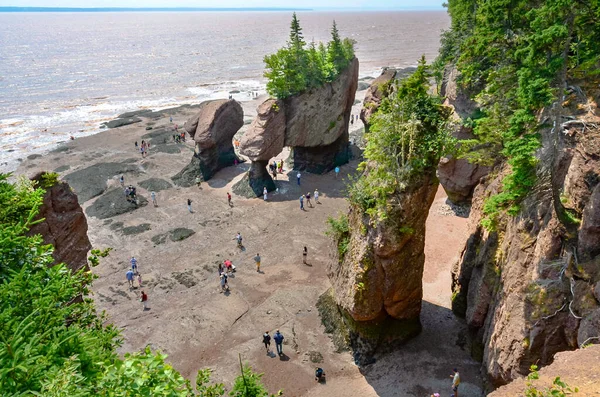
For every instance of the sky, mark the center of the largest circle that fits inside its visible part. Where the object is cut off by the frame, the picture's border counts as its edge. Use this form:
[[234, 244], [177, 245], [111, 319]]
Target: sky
[[363, 4]]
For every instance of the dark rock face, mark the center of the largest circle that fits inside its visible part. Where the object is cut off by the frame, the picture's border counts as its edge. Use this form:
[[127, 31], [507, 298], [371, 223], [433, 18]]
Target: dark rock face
[[321, 159], [114, 203], [155, 184], [64, 226], [187, 176], [378, 282], [213, 128], [91, 181], [253, 183]]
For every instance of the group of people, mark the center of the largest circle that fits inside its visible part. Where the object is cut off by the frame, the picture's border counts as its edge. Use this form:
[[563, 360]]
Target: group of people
[[130, 193], [143, 147], [307, 197], [132, 274], [353, 118], [179, 136], [278, 338]]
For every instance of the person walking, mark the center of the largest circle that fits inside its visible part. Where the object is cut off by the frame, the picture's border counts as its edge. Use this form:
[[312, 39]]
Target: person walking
[[134, 264], [298, 177], [308, 200], [189, 204], [129, 275], [267, 340], [199, 182], [337, 172], [278, 337], [274, 173], [153, 195], [265, 193], [136, 146], [220, 268], [144, 300], [238, 238], [304, 254], [171, 119], [281, 166], [455, 381], [257, 261], [224, 285], [229, 199], [317, 196], [122, 181], [139, 279], [302, 202]]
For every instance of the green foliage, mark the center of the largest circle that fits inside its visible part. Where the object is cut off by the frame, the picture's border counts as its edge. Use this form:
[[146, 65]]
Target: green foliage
[[49, 179], [298, 67], [514, 57], [558, 388], [408, 135], [52, 341], [339, 231], [249, 385]]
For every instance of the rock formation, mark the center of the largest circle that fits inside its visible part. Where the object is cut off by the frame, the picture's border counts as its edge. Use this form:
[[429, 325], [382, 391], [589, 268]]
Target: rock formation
[[527, 289], [377, 283], [314, 124], [378, 90], [212, 129], [458, 176], [64, 226]]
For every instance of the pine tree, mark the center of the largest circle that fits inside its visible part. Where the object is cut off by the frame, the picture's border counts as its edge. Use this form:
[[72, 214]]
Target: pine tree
[[336, 50]]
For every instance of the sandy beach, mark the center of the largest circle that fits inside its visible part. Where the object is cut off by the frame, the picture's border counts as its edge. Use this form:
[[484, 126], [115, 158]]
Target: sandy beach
[[197, 326]]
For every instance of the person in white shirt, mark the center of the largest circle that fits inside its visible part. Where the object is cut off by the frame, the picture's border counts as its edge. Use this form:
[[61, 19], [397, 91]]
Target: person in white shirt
[[455, 382], [316, 196], [298, 176]]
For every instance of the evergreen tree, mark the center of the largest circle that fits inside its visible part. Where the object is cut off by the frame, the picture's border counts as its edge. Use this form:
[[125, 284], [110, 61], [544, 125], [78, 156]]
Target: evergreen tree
[[336, 50]]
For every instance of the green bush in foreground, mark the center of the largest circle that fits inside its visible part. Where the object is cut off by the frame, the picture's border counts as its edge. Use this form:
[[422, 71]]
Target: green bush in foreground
[[558, 388], [52, 343], [298, 67]]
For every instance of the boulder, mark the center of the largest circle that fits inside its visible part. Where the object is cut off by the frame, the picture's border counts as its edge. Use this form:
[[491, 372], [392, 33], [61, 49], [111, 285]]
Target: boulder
[[64, 226], [91, 181], [264, 138], [114, 203], [212, 129], [377, 91], [155, 184], [459, 177]]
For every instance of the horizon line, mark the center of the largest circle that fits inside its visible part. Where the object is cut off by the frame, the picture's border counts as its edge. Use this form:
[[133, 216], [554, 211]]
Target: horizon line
[[125, 9]]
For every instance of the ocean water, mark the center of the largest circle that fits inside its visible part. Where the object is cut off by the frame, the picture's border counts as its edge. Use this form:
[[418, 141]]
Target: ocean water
[[63, 74]]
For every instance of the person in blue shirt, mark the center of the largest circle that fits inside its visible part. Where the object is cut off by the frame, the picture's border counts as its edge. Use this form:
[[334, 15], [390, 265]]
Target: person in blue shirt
[[134, 266], [278, 337], [337, 171], [129, 276]]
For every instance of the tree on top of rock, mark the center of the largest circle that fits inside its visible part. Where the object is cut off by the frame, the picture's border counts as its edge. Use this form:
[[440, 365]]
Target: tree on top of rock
[[298, 67]]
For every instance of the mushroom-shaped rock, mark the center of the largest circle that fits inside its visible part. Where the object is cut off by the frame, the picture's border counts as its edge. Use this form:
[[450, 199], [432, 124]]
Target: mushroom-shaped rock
[[212, 129], [265, 136], [375, 94]]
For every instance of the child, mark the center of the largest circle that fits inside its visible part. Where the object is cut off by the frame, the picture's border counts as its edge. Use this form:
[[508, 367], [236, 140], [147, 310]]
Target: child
[[140, 279]]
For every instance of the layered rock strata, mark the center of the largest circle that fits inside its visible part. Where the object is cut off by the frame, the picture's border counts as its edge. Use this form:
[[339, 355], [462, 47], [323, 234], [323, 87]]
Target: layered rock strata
[[64, 226]]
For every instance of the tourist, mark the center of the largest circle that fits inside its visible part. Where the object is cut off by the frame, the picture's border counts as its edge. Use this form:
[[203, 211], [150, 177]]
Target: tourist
[[308, 200], [298, 177], [189, 204], [199, 182], [129, 275], [304, 254], [177, 129], [278, 337], [153, 195], [134, 264], [302, 202], [122, 181], [275, 173], [352, 119], [136, 146], [171, 119], [220, 268], [238, 238], [319, 374], [281, 166], [229, 199], [257, 261], [337, 171], [265, 193], [317, 196], [228, 266], [144, 300], [455, 381], [139, 279], [267, 340]]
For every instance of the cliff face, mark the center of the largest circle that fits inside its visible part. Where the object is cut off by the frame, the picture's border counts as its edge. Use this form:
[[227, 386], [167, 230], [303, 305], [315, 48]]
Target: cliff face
[[527, 289], [376, 92], [377, 284], [64, 226], [314, 124]]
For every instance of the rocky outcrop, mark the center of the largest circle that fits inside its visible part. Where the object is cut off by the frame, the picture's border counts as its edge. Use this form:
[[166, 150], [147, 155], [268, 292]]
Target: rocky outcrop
[[459, 176], [578, 369], [378, 90], [92, 181], [212, 129], [377, 283], [527, 288], [64, 226], [113, 203], [314, 123]]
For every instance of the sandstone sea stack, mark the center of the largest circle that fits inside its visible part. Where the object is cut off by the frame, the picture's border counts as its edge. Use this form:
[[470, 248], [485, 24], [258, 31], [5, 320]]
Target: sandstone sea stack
[[212, 129]]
